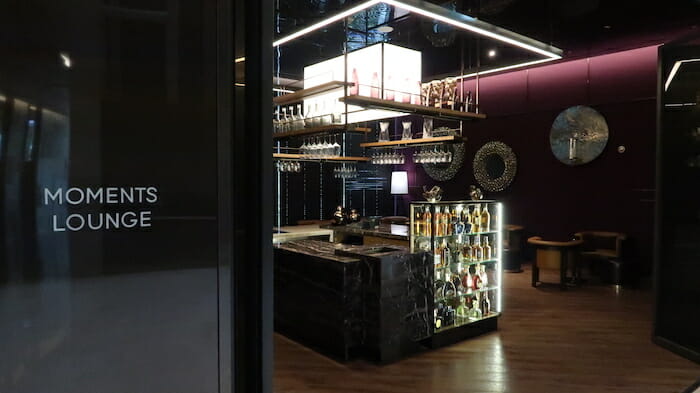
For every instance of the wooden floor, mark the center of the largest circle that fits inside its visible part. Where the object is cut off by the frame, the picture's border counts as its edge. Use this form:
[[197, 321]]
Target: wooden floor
[[589, 339]]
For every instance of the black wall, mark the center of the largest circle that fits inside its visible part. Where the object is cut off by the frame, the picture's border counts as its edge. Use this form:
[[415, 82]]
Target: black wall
[[115, 310]]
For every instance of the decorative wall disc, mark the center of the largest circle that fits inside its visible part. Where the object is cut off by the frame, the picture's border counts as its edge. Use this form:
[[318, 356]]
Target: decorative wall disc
[[579, 135], [444, 172], [495, 166]]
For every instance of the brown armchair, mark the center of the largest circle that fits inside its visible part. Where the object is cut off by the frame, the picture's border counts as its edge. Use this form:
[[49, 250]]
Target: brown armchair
[[555, 255], [603, 253]]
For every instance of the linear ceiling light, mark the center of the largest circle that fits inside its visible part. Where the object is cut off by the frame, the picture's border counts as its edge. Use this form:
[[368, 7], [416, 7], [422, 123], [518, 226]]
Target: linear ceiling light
[[506, 68], [443, 15], [240, 60], [675, 69], [326, 22]]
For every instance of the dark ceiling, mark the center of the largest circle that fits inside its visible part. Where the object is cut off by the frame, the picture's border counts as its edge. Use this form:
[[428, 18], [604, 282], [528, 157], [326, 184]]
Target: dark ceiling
[[579, 27], [570, 24]]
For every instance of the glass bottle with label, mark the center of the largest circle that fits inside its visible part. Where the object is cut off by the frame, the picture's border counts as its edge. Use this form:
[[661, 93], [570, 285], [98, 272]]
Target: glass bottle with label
[[446, 219], [476, 278], [475, 312], [459, 225], [446, 254], [485, 219], [438, 256], [467, 250], [467, 281], [483, 275], [487, 249], [468, 227], [418, 222], [427, 221], [476, 219], [477, 250], [438, 221]]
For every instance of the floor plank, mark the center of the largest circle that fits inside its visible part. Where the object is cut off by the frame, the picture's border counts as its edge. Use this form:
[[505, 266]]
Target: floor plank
[[587, 339]]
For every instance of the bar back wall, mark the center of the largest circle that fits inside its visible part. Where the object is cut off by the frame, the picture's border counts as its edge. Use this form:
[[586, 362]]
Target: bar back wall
[[615, 192]]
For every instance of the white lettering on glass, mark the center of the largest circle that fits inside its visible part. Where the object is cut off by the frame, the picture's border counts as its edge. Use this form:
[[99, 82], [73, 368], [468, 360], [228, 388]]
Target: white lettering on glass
[[137, 217]]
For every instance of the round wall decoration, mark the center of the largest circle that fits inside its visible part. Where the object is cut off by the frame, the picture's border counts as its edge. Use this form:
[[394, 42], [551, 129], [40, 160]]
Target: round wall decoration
[[579, 135], [444, 172], [495, 166]]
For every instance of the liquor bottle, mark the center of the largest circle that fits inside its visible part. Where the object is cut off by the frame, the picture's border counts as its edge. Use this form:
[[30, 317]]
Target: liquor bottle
[[438, 315], [446, 254], [468, 227], [438, 221], [486, 310], [449, 317], [276, 122], [453, 222], [446, 220], [301, 119], [467, 251], [476, 219], [467, 281], [459, 225], [469, 104], [449, 290], [484, 276], [438, 256], [457, 282], [476, 278], [478, 253], [487, 249], [475, 313], [427, 221], [418, 222], [463, 309], [284, 122], [485, 219]]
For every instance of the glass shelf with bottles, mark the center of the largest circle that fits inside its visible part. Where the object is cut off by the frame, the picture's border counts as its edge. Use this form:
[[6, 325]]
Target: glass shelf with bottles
[[464, 239]]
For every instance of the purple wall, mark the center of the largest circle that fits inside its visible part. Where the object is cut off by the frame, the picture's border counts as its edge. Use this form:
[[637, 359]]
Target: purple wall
[[613, 193]]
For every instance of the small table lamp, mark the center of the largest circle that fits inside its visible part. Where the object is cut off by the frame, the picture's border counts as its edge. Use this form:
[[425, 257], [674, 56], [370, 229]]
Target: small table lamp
[[399, 185]]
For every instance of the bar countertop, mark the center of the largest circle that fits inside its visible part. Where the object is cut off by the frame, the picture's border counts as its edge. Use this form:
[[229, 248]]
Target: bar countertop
[[339, 252], [295, 232], [388, 231]]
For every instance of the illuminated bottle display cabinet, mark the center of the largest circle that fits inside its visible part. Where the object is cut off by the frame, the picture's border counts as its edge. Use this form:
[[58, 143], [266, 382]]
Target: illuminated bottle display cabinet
[[464, 240]]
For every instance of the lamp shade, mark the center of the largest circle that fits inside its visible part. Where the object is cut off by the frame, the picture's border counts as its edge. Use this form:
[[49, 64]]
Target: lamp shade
[[399, 182]]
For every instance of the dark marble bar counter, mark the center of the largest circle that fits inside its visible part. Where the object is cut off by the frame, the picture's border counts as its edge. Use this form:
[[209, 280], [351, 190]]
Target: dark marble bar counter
[[347, 301], [395, 234]]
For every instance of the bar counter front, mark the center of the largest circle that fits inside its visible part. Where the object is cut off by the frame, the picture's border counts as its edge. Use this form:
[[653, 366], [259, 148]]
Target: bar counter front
[[388, 292]]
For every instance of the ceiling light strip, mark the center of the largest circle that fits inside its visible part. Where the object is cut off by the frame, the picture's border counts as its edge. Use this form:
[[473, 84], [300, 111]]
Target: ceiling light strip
[[472, 28], [326, 22], [510, 67], [469, 25], [675, 69]]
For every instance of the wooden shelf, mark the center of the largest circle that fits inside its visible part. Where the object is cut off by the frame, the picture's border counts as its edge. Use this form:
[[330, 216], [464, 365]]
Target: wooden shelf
[[377, 103], [319, 130], [451, 138], [299, 95], [305, 157]]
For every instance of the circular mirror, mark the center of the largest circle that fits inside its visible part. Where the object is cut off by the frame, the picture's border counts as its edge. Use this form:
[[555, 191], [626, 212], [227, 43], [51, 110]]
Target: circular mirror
[[579, 135], [495, 166]]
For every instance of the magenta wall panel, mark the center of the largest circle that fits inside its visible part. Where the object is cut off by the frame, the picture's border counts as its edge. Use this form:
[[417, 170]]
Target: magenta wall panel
[[624, 76], [503, 94], [558, 85], [553, 200]]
